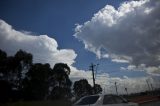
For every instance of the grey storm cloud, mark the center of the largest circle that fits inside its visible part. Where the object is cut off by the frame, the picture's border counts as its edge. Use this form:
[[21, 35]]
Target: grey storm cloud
[[130, 33]]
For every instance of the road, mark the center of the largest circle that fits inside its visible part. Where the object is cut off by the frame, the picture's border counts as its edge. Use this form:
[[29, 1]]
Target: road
[[157, 103]]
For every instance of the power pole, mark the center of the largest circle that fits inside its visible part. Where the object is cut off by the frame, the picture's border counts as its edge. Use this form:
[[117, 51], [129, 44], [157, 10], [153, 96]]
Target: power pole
[[104, 90], [93, 76], [152, 87], [126, 90], [96, 70], [148, 85], [116, 87]]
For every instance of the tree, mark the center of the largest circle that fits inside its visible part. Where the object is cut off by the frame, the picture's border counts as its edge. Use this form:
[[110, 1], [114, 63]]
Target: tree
[[23, 62], [36, 83], [98, 89], [5, 91], [3, 57], [28, 81], [11, 71], [62, 83], [12, 67], [82, 88]]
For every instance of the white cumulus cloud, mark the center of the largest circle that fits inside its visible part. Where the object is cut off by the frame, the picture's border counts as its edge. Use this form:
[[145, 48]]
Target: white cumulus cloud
[[130, 33], [43, 48]]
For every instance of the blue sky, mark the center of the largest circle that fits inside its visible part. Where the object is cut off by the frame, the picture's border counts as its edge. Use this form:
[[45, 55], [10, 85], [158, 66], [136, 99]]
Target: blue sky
[[58, 19]]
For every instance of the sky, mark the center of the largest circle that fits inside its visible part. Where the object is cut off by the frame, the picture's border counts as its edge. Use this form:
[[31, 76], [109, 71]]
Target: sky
[[123, 37]]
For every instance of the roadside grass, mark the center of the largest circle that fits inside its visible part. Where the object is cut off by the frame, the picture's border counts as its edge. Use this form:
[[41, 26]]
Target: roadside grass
[[39, 103]]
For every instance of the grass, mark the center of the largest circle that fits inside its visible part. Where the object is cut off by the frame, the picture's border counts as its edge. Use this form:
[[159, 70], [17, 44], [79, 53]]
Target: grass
[[39, 103]]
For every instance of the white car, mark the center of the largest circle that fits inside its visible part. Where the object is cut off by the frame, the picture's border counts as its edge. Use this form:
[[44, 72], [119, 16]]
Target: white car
[[104, 100]]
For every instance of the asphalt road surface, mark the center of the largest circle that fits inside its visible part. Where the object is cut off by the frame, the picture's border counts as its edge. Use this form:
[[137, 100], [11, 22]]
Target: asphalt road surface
[[157, 103]]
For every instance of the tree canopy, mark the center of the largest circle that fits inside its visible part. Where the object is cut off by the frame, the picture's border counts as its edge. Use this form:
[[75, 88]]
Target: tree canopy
[[28, 81], [21, 79], [83, 88]]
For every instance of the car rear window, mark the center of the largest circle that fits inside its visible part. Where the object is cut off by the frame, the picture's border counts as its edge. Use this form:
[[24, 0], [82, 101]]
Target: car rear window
[[108, 100], [88, 100]]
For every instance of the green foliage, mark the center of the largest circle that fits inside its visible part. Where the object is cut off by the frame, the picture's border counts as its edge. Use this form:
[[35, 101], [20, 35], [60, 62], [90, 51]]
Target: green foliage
[[12, 67], [5, 91], [3, 55], [23, 62], [82, 88], [11, 71], [27, 81], [98, 89], [62, 86], [36, 83]]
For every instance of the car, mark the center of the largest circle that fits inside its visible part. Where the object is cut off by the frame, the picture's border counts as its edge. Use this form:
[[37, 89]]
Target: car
[[104, 100]]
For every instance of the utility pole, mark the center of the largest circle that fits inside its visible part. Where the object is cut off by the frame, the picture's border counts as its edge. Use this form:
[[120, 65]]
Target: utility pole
[[152, 87], [96, 70], [104, 90], [116, 87], [126, 90], [148, 85], [93, 76]]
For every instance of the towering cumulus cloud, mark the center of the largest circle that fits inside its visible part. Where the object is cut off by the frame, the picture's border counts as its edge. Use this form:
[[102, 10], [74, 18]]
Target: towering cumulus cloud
[[130, 33], [43, 48]]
